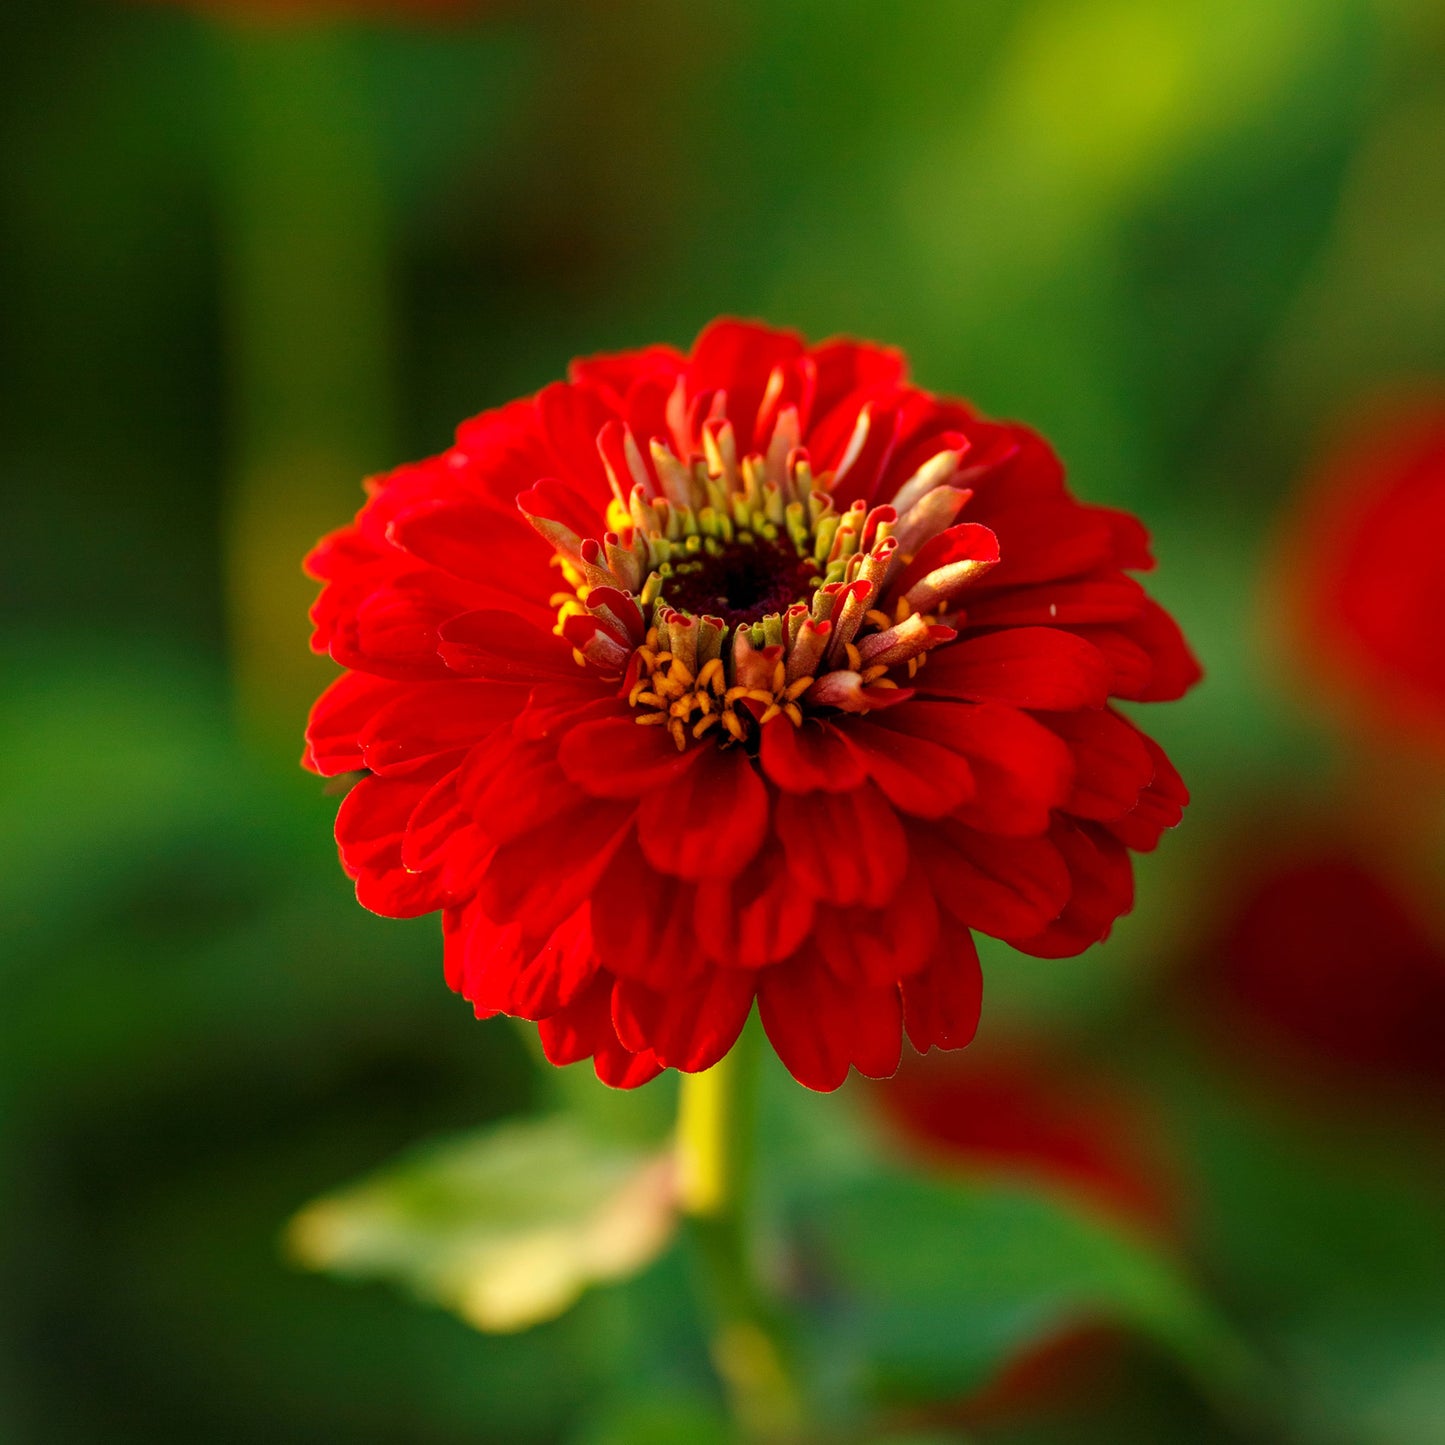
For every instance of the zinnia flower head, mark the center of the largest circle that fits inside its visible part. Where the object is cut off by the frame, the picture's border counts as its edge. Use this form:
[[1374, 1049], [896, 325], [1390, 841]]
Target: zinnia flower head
[[1367, 591], [756, 674]]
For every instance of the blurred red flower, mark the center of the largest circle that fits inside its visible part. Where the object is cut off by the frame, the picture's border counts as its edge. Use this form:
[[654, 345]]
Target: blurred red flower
[[1366, 588], [1041, 1116], [637, 671], [1330, 966]]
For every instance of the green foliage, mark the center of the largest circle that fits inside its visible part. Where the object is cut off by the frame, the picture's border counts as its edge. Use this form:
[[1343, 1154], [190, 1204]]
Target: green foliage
[[1181, 240], [933, 1285]]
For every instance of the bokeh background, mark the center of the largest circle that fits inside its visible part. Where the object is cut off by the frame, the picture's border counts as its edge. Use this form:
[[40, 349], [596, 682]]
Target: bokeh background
[[250, 256]]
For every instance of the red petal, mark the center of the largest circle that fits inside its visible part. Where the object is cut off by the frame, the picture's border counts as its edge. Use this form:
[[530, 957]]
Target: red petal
[[737, 357], [708, 821], [1022, 770], [941, 1002], [370, 826], [1103, 890], [571, 417], [337, 718], [1000, 886], [1131, 667], [426, 719], [812, 758], [1161, 805], [1114, 598], [687, 1028], [920, 777], [1047, 542], [502, 647], [759, 917], [614, 374], [1175, 668], [505, 973], [642, 922], [584, 1030], [845, 847], [875, 946], [510, 786], [1032, 667], [473, 540], [819, 1026], [616, 1067], [544, 876], [435, 821], [1112, 764], [846, 368], [612, 757]]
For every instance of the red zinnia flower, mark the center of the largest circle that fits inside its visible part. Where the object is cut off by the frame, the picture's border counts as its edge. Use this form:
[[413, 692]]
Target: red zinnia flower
[[1368, 590], [680, 685], [1328, 968]]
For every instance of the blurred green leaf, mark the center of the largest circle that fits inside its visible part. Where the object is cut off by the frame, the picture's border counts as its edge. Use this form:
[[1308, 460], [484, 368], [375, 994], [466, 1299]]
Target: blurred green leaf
[[660, 1422], [939, 1283], [1329, 1234], [506, 1227], [923, 1287]]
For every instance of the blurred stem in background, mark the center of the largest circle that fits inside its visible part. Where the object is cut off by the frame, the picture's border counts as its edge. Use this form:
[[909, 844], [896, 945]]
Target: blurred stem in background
[[308, 324], [716, 1128]]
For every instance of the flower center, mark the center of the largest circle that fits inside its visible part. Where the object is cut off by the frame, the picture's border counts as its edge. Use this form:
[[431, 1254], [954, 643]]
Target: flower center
[[729, 591], [743, 581]]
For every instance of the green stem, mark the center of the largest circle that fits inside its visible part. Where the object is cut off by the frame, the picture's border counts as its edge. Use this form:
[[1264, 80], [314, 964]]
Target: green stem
[[716, 1112]]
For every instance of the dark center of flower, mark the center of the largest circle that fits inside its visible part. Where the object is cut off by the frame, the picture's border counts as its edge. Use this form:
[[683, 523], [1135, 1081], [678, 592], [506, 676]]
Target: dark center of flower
[[743, 581], [727, 591]]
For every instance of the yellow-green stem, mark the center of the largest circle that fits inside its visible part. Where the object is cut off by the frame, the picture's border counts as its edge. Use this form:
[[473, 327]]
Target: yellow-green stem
[[715, 1132]]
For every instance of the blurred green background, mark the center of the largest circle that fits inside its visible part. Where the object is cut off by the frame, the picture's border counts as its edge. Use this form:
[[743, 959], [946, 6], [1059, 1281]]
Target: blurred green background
[[245, 263]]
